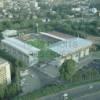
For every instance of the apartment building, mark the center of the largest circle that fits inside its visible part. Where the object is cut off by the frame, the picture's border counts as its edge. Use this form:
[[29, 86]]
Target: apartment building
[[5, 74]]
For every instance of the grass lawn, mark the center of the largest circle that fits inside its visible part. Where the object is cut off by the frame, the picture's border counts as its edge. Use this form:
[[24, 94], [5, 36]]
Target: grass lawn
[[38, 43], [45, 54]]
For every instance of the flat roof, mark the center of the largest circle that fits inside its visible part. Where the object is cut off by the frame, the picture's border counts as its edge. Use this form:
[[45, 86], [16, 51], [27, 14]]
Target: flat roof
[[70, 46], [57, 35], [21, 46], [9, 31]]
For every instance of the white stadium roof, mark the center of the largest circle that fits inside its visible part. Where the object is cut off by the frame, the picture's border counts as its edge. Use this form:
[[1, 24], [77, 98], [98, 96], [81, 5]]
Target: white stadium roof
[[9, 32], [21, 46], [70, 46]]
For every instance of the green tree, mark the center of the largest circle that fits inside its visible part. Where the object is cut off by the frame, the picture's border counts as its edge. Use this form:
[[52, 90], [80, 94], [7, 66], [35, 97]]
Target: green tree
[[1, 36], [2, 92], [67, 69]]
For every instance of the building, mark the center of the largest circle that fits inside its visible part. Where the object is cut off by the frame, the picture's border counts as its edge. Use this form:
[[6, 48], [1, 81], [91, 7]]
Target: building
[[94, 10], [73, 48], [21, 51], [5, 74], [78, 9], [9, 33], [2, 2], [68, 46]]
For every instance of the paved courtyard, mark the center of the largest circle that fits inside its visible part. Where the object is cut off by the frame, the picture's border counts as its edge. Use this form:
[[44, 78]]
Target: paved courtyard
[[30, 82], [34, 80]]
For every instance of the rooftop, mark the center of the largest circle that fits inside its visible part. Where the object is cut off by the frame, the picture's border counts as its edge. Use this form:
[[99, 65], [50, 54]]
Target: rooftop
[[21, 46], [70, 46], [9, 31], [57, 35]]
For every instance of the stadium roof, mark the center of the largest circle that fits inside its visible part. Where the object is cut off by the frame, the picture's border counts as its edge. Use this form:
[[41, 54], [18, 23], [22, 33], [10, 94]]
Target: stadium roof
[[9, 32], [57, 35], [21, 46], [70, 46]]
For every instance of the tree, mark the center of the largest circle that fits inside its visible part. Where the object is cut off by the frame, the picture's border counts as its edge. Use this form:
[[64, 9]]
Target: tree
[[19, 9], [67, 69], [2, 92], [1, 37]]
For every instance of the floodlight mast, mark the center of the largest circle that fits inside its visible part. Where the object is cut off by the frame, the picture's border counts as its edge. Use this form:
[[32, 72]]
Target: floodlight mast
[[37, 26]]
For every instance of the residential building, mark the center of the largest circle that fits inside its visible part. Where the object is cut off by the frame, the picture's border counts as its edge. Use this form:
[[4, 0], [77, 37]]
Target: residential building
[[21, 51], [5, 74], [2, 2]]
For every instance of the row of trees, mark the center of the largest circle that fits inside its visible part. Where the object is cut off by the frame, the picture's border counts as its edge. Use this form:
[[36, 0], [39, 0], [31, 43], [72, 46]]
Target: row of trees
[[68, 72], [88, 74], [69, 27], [7, 92], [22, 24]]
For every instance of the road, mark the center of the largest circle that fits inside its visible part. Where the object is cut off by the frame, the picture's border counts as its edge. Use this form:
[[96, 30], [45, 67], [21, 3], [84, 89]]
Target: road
[[92, 96], [83, 92]]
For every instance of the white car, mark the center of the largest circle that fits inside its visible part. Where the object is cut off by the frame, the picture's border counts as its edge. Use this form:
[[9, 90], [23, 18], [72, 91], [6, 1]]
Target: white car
[[65, 96]]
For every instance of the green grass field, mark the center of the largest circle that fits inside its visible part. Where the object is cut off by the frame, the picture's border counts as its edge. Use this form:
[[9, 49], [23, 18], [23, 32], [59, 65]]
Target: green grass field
[[38, 43], [45, 54]]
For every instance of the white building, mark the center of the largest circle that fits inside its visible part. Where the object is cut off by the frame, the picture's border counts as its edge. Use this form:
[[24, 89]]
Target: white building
[[78, 9], [9, 33], [21, 51], [73, 48], [94, 10], [2, 2], [5, 74]]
